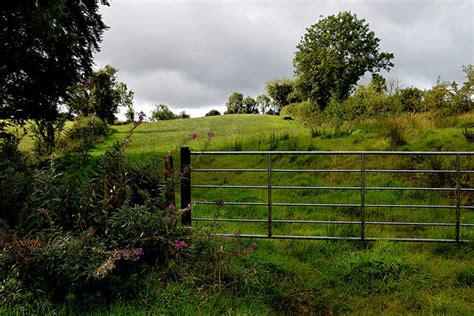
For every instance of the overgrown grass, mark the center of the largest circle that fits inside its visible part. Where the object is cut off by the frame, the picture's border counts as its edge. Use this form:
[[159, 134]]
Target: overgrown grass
[[315, 277]]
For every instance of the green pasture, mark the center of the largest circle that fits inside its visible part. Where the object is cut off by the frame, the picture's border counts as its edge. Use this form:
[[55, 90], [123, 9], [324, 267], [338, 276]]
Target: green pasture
[[315, 277], [259, 132]]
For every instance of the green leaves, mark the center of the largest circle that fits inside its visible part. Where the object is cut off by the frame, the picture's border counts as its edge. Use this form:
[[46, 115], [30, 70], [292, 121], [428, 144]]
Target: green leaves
[[332, 56]]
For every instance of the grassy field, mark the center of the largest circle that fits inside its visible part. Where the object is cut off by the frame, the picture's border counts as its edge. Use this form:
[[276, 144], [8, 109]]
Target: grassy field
[[316, 277]]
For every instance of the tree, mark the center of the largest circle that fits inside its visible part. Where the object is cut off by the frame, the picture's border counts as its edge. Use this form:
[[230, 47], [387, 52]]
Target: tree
[[235, 103], [183, 115], [45, 47], [213, 113], [411, 99], [264, 104], [162, 113], [130, 114], [378, 84], [334, 54], [100, 94], [250, 105], [282, 92]]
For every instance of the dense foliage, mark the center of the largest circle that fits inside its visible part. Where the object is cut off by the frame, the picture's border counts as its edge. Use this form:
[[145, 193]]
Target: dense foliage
[[333, 55], [45, 47], [100, 94], [375, 100]]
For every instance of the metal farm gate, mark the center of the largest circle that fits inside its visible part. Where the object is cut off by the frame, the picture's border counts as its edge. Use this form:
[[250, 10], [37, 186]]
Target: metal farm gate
[[455, 171]]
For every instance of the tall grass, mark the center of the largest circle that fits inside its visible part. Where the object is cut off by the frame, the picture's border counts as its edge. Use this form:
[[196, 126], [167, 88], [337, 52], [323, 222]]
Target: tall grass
[[308, 277]]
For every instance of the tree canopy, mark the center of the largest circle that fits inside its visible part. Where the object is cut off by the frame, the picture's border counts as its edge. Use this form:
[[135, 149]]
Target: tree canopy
[[162, 113], [282, 92], [100, 94], [334, 54], [45, 46], [235, 103]]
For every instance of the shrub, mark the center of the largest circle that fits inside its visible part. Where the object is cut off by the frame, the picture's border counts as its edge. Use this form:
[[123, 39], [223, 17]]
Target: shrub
[[305, 112], [15, 180], [394, 132], [89, 128], [213, 113], [468, 132]]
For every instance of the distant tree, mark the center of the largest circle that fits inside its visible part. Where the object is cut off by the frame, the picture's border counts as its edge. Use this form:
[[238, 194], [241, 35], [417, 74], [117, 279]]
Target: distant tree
[[162, 113], [235, 103], [378, 84], [100, 94], [465, 95], [411, 99], [282, 92], [213, 113], [264, 103], [45, 47], [183, 115], [334, 54], [250, 105], [130, 114]]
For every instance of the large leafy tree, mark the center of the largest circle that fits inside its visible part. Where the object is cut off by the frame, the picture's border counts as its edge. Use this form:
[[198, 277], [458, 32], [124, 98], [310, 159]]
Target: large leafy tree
[[100, 94], [235, 103], [250, 105], [282, 92], [334, 54], [162, 113], [264, 104], [45, 46]]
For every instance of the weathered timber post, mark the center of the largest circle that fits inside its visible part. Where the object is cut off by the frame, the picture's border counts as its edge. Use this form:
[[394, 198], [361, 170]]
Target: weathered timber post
[[185, 158], [169, 178]]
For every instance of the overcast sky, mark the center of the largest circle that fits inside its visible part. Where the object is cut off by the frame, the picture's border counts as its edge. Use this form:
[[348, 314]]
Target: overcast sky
[[191, 55]]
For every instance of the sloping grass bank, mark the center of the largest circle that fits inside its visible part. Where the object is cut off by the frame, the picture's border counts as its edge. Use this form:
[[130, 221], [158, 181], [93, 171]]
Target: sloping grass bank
[[310, 277]]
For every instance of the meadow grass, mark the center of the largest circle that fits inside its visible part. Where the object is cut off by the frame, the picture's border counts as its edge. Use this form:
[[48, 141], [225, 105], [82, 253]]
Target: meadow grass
[[315, 277]]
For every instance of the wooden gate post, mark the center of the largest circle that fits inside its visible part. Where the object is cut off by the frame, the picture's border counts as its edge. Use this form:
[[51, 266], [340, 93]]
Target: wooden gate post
[[170, 184], [185, 161]]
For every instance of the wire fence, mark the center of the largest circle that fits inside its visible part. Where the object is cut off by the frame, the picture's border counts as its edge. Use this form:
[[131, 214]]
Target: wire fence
[[455, 171]]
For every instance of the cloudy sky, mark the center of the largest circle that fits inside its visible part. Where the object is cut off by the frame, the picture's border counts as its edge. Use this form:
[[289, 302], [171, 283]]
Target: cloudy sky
[[191, 55]]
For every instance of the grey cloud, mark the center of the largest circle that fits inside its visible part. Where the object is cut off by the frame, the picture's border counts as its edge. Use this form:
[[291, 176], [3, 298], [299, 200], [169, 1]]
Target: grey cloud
[[194, 54]]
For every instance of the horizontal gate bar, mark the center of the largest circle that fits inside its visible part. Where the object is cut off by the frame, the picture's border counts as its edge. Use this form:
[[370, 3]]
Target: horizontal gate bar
[[229, 170], [332, 170], [289, 221], [283, 187], [340, 238], [221, 203], [322, 152]]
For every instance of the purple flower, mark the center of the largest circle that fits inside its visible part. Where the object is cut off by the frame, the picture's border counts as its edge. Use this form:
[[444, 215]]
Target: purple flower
[[141, 116], [87, 82], [210, 134], [172, 207], [193, 135], [180, 244]]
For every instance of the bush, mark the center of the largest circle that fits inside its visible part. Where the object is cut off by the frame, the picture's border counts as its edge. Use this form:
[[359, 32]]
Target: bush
[[15, 180], [87, 127], [468, 132], [305, 112], [213, 113], [84, 231], [394, 132]]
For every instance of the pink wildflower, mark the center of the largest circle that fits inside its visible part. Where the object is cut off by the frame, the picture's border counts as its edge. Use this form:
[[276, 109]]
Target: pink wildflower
[[193, 135], [180, 244], [210, 134]]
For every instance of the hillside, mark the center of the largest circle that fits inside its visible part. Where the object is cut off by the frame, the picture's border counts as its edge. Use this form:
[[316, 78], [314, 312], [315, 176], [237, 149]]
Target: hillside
[[254, 132], [307, 277]]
